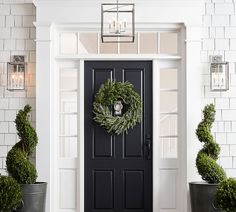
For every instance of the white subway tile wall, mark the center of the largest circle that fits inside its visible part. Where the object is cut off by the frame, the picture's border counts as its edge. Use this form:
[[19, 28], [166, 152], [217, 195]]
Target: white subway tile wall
[[219, 21], [17, 35]]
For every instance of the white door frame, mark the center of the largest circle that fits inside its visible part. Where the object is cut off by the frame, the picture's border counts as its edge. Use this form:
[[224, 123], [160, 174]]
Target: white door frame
[[156, 117], [64, 13]]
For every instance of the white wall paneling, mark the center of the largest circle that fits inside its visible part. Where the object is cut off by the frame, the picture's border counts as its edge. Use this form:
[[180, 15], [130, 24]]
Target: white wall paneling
[[168, 189], [54, 19], [68, 185]]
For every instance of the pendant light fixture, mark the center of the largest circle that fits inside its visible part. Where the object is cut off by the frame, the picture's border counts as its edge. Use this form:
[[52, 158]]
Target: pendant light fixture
[[117, 22]]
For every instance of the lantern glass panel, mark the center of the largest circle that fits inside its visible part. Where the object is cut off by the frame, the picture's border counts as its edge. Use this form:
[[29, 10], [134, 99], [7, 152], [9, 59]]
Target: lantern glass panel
[[219, 76], [117, 21], [16, 76]]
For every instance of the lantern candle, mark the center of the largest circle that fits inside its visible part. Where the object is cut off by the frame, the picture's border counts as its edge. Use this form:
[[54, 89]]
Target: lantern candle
[[16, 73]]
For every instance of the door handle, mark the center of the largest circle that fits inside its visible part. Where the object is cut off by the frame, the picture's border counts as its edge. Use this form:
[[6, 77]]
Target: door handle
[[148, 143]]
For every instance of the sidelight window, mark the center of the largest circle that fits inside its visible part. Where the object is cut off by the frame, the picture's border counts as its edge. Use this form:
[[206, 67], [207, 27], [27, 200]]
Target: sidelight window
[[169, 113], [68, 113]]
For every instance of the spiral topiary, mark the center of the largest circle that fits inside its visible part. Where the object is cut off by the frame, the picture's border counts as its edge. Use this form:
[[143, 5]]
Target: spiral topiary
[[10, 194], [207, 156], [18, 163]]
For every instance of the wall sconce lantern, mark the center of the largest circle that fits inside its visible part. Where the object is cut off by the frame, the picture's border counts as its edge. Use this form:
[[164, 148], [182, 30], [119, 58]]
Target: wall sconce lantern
[[16, 73], [219, 74], [117, 23]]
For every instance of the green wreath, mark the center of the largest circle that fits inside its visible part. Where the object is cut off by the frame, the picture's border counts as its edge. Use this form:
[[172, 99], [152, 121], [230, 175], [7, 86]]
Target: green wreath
[[110, 94]]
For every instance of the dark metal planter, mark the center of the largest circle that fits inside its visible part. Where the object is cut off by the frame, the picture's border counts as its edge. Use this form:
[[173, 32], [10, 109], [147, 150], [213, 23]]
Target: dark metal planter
[[34, 197], [202, 196]]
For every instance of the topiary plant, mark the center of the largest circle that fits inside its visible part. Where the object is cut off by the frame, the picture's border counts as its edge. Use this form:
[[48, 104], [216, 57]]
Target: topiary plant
[[18, 163], [207, 156], [226, 195], [10, 194]]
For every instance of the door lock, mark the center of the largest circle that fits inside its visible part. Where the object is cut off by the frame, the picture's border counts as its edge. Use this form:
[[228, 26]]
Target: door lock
[[148, 143]]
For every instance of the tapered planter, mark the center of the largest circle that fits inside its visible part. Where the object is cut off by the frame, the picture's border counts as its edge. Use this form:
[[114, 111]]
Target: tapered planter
[[202, 196], [34, 197]]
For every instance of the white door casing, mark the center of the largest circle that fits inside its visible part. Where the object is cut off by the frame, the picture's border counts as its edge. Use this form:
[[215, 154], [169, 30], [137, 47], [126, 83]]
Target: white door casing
[[55, 15]]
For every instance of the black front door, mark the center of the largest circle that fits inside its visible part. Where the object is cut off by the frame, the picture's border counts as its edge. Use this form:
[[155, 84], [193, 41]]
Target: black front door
[[118, 169]]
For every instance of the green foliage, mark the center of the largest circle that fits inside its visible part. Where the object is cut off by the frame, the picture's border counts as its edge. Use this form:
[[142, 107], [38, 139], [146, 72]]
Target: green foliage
[[209, 169], [26, 132], [209, 114], [18, 164], [10, 194], [226, 195], [207, 156], [108, 94], [20, 167], [203, 133]]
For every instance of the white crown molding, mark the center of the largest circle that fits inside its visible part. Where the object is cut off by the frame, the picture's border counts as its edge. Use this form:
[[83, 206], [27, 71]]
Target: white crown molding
[[95, 26], [69, 3], [42, 24], [74, 12]]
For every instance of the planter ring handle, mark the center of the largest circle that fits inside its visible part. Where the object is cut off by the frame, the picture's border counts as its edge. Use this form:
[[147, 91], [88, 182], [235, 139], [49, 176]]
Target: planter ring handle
[[21, 205], [214, 207]]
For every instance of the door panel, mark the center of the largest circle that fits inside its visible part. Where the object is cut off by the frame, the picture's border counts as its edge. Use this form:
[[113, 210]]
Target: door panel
[[134, 189], [118, 169], [103, 184], [102, 144], [134, 141], [133, 147]]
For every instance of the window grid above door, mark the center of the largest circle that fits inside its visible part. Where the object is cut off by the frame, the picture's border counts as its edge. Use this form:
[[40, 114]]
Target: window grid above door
[[82, 43]]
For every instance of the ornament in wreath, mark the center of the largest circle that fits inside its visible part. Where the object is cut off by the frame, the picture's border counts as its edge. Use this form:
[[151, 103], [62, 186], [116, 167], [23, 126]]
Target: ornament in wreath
[[117, 107]]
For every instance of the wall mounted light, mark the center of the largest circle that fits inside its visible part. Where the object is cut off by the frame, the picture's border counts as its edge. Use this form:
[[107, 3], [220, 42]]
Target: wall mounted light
[[16, 73], [117, 23], [219, 74]]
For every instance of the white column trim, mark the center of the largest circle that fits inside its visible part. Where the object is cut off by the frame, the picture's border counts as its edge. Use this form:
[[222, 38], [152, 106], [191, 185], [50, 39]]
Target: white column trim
[[193, 102], [156, 135], [44, 105], [81, 136]]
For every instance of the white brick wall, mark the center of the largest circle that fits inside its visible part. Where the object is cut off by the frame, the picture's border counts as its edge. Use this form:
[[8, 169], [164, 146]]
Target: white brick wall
[[224, 8], [220, 23], [17, 35], [220, 20]]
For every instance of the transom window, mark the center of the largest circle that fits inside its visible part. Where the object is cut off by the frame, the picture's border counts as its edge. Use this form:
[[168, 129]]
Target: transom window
[[73, 43]]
